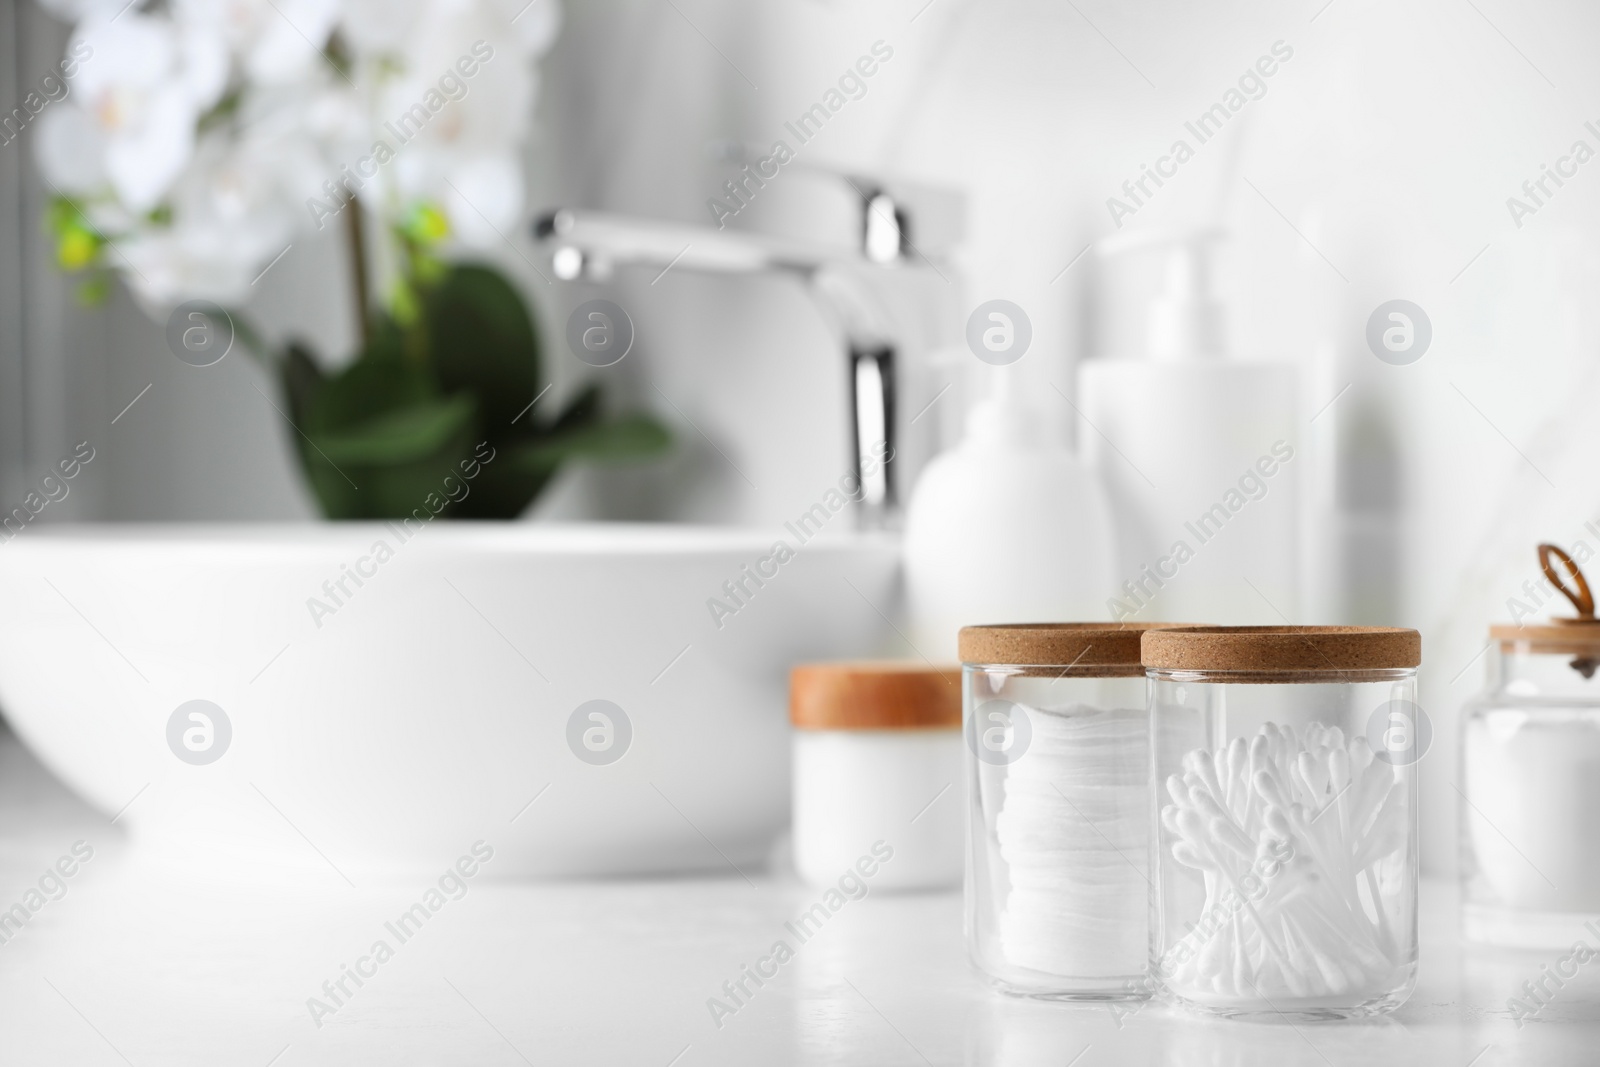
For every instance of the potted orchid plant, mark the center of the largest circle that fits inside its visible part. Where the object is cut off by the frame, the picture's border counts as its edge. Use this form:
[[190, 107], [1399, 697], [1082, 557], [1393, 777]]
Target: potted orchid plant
[[202, 138]]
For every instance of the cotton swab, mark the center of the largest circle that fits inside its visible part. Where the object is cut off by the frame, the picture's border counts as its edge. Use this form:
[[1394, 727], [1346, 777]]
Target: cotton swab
[[1285, 871]]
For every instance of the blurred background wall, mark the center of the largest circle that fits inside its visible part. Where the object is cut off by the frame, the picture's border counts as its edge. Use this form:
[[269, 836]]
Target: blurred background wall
[[1376, 166]]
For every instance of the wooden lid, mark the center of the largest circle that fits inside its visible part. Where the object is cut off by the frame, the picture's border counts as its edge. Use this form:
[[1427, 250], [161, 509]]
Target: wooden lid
[[875, 695], [1579, 636], [1558, 636], [1101, 648], [1282, 649]]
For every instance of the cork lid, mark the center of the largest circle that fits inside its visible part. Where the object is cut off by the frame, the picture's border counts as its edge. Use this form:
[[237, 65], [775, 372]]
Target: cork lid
[[1086, 648], [1560, 635], [1557, 637], [1275, 651], [875, 695]]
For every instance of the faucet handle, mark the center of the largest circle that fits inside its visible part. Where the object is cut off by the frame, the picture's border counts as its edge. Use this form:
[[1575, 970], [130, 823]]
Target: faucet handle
[[894, 212]]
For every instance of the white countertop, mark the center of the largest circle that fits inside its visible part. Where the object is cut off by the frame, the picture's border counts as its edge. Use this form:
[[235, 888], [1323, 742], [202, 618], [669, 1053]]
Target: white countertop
[[137, 965]]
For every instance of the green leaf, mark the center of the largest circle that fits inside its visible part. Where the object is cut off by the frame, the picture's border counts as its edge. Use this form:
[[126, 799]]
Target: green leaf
[[379, 438], [521, 471], [403, 435], [501, 490], [581, 410], [387, 343], [383, 490], [630, 437], [302, 379], [482, 341], [376, 384]]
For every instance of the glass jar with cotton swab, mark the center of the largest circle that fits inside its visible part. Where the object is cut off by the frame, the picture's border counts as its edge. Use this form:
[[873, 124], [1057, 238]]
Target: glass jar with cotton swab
[[1285, 854]]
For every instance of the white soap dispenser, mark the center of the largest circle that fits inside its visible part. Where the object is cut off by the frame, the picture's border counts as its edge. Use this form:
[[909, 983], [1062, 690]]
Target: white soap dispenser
[[1008, 526], [1200, 454]]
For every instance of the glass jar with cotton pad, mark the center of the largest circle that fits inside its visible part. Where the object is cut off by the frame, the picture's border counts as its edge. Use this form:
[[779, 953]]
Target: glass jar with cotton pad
[[1530, 780], [877, 764], [1058, 823], [1285, 859]]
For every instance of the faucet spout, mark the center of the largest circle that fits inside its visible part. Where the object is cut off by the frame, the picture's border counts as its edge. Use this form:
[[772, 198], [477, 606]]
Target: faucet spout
[[593, 244]]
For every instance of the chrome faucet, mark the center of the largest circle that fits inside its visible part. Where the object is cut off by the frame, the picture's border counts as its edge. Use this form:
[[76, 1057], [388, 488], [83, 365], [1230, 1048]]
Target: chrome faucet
[[592, 244]]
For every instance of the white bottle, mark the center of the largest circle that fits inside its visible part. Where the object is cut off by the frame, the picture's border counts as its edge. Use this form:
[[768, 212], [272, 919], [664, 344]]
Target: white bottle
[[1007, 527], [1201, 457]]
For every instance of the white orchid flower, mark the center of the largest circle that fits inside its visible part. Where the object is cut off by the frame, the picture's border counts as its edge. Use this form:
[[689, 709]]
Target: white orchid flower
[[380, 27], [232, 213], [198, 133], [465, 158], [484, 197], [145, 84], [385, 26], [276, 41]]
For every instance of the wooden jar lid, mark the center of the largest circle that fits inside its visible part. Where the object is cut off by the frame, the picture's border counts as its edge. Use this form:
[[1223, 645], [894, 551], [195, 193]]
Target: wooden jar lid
[[1558, 636], [1282, 649], [1089, 648], [874, 695]]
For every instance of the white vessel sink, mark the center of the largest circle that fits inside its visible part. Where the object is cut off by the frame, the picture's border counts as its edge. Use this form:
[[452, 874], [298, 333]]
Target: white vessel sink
[[431, 704]]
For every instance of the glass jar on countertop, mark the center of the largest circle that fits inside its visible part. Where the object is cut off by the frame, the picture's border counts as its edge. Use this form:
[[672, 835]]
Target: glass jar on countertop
[[1285, 859], [1058, 819], [1530, 780]]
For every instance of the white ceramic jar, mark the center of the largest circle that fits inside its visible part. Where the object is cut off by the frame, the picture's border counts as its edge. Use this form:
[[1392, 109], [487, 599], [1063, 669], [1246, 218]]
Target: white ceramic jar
[[877, 765]]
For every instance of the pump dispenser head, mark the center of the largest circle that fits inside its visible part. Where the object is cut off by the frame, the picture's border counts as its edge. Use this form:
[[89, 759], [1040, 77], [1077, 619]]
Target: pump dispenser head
[[1003, 418], [1186, 320]]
